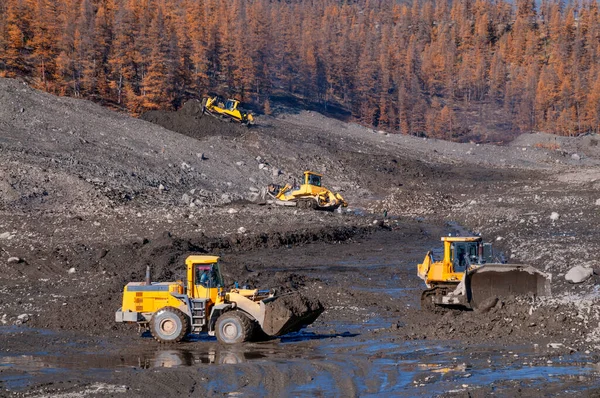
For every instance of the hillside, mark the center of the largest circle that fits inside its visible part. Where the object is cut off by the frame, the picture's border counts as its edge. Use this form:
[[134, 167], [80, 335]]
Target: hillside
[[89, 197]]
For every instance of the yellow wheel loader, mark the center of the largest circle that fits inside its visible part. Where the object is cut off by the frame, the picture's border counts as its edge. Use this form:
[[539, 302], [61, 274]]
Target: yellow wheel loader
[[172, 310], [467, 276], [226, 110], [310, 195]]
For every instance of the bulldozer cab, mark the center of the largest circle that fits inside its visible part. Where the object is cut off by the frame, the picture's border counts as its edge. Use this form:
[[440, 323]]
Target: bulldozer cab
[[204, 279], [313, 179], [464, 254], [231, 105]]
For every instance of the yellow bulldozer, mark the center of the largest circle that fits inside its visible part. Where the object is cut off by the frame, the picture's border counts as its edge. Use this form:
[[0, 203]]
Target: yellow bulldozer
[[310, 195], [226, 110], [172, 310], [469, 276]]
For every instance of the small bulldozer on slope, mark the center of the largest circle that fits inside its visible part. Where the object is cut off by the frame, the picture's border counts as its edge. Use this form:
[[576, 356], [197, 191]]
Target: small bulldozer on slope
[[226, 110], [467, 277], [309, 195], [172, 310]]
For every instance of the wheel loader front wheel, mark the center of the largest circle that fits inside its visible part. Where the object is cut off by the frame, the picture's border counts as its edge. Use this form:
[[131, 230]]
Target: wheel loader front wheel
[[169, 325], [233, 327]]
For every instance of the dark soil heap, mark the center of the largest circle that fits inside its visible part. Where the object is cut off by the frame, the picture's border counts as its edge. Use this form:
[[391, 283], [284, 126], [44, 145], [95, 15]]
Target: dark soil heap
[[190, 121]]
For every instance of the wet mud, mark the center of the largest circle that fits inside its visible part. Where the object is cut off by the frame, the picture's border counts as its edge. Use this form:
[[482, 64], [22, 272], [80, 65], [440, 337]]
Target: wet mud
[[372, 338]]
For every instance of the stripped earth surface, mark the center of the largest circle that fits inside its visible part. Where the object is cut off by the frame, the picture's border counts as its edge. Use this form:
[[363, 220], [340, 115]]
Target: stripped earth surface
[[90, 197]]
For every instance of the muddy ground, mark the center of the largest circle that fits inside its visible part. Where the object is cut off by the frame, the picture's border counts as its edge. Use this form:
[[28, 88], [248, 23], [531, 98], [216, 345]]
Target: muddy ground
[[88, 198]]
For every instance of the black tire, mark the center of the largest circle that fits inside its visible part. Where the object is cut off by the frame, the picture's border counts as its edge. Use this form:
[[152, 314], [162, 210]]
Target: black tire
[[169, 325], [233, 327]]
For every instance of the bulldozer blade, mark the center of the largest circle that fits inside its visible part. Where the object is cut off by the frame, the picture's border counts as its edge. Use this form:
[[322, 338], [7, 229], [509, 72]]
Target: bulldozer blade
[[505, 280], [288, 313]]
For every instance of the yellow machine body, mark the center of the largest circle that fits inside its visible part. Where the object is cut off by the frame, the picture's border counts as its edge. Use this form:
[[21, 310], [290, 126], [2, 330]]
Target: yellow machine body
[[227, 110], [435, 272], [311, 194], [171, 310], [467, 275]]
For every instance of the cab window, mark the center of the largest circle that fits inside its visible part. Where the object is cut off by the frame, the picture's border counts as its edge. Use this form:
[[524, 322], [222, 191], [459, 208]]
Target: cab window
[[314, 180]]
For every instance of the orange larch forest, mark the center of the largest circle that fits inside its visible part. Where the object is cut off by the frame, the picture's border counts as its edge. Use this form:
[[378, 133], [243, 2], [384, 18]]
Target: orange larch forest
[[414, 67]]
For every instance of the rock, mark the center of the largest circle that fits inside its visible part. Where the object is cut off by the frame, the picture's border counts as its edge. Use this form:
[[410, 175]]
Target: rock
[[554, 216], [13, 260], [232, 211], [239, 163], [261, 166], [226, 198], [6, 235], [499, 238], [241, 230], [161, 187], [71, 270], [185, 166], [185, 198], [487, 304], [597, 202], [276, 172], [192, 191], [252, 180], [579, 274], [337, 189], [258, 159], [201, 156], [253, 189], [23, 318], [575, 156]]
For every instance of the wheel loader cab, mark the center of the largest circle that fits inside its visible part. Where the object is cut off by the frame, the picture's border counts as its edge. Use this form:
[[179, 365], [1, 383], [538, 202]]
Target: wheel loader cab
[[204, 279]]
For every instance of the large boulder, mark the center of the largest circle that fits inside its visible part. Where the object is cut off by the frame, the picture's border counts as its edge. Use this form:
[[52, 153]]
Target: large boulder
[[579, 274]]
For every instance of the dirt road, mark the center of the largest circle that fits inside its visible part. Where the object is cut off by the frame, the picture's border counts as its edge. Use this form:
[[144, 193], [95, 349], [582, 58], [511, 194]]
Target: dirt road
[[89, 198]]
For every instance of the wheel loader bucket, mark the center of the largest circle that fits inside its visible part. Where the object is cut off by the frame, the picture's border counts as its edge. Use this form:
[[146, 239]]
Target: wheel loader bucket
[[288, 313], [505, 280]]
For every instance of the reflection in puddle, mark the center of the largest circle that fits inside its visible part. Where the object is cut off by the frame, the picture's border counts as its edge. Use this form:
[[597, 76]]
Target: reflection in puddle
[[438, 368], [176, 358], [170, 358]]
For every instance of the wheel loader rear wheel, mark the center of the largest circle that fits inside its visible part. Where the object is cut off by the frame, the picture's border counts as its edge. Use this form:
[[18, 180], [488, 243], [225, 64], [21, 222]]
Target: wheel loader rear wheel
[[169, 325], [233, 327]]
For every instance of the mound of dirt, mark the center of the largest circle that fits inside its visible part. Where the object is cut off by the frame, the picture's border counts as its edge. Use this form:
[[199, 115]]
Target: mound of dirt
[[105, 272], [514, 320], [190, 121]]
